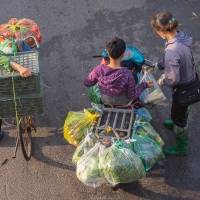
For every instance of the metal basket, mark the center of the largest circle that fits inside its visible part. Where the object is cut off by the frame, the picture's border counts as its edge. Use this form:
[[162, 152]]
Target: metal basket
[[26, 105]]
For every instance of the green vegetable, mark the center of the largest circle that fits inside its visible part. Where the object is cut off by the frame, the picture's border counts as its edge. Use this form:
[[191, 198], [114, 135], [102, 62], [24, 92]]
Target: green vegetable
[[88, 170], [86, 144], [147, 150], [147, 129], [121, 165], [5, 61]]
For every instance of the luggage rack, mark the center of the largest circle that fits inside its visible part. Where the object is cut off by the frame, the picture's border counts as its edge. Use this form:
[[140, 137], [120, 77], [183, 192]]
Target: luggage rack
[[119, 119]]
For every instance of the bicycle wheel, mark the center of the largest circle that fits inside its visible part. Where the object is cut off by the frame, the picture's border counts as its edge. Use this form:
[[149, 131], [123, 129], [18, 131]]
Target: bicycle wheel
[[25, 137]]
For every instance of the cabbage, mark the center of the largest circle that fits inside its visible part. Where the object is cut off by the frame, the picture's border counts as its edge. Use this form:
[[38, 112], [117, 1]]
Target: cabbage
[[121, 165]]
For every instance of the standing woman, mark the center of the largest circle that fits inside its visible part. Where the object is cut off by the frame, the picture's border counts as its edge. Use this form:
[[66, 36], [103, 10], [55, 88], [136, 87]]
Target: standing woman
[[178, 69]]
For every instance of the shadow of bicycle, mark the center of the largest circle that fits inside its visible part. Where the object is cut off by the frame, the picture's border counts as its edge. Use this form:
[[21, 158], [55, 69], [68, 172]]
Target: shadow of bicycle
[[45, 149]]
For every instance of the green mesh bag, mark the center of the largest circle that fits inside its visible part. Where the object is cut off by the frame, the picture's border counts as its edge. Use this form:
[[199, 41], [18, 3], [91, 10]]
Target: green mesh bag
[[94, 94], [147, 150]]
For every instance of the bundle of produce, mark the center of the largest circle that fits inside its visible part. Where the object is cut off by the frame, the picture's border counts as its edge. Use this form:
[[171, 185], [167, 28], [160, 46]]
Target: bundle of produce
[[22, 28], [86, 144], [5, 61], [142, 127], [120, 164], [88, 170], [146, 149], [76, 124]]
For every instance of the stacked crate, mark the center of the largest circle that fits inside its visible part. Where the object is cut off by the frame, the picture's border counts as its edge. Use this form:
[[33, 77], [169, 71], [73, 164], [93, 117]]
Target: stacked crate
[[28, 91]]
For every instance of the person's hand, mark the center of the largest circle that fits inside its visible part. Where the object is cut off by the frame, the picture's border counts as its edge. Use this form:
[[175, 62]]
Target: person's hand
[[25, 72], [150, 84], [160, 80]]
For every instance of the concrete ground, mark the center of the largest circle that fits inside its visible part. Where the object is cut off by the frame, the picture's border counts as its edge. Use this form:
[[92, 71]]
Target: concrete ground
[[72, 32]]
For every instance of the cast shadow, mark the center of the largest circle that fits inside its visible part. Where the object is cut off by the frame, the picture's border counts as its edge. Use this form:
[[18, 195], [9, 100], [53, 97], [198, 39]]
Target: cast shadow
[[38, 143]]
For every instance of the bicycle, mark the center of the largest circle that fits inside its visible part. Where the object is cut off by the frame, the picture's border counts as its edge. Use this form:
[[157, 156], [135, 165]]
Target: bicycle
[[21, 98]]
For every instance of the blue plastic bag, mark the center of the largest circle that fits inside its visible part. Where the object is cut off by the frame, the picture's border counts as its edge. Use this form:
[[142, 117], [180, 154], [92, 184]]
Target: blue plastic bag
[[144, 113]]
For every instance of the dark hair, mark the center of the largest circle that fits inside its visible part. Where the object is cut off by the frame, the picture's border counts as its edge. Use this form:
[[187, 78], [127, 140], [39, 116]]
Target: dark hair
[[164, 21], [115, 47]]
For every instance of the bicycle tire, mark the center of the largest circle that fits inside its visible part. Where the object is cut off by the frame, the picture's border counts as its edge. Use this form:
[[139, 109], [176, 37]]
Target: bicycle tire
[[25, 138]]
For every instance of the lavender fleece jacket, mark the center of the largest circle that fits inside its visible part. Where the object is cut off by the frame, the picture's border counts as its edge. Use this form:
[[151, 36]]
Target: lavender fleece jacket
[[115, 82], [178, 61]]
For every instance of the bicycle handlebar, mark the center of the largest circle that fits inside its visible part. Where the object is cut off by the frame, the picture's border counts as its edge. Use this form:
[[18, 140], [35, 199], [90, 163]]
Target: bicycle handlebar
[[149, 63], [97, 56]]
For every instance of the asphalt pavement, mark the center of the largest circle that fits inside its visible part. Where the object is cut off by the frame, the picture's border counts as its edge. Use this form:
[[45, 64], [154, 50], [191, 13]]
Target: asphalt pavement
[[73, 31]]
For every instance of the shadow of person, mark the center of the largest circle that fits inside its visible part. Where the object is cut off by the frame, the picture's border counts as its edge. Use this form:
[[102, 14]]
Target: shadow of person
[[54, 140]]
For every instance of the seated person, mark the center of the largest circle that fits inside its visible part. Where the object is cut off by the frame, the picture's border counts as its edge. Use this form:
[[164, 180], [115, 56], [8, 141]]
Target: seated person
[[116, 83], [24, 72]]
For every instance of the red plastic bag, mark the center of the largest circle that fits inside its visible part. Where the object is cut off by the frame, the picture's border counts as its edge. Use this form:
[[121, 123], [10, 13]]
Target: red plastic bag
[[22, 28]]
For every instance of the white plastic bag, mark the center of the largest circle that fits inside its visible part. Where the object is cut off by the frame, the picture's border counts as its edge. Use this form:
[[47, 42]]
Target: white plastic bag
[[88, 170], [154, 94], [86, 144]]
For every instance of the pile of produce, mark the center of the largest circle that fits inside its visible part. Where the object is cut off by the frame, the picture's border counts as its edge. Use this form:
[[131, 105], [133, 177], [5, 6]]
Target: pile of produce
[[22, 28], [121, 165], [101, 160]]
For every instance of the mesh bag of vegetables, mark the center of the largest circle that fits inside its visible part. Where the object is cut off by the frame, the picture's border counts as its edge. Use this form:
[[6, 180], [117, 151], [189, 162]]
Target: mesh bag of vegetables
[[75, 125], [94, 94], [86, 144], [22, 28], [88, 171], [120, 164], [152, 95], [142, 127], [147, 150]]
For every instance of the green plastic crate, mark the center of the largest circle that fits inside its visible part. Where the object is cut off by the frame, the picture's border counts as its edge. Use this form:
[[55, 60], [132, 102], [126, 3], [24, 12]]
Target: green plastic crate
[[26, 105], [28, 59], [23, 86]]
